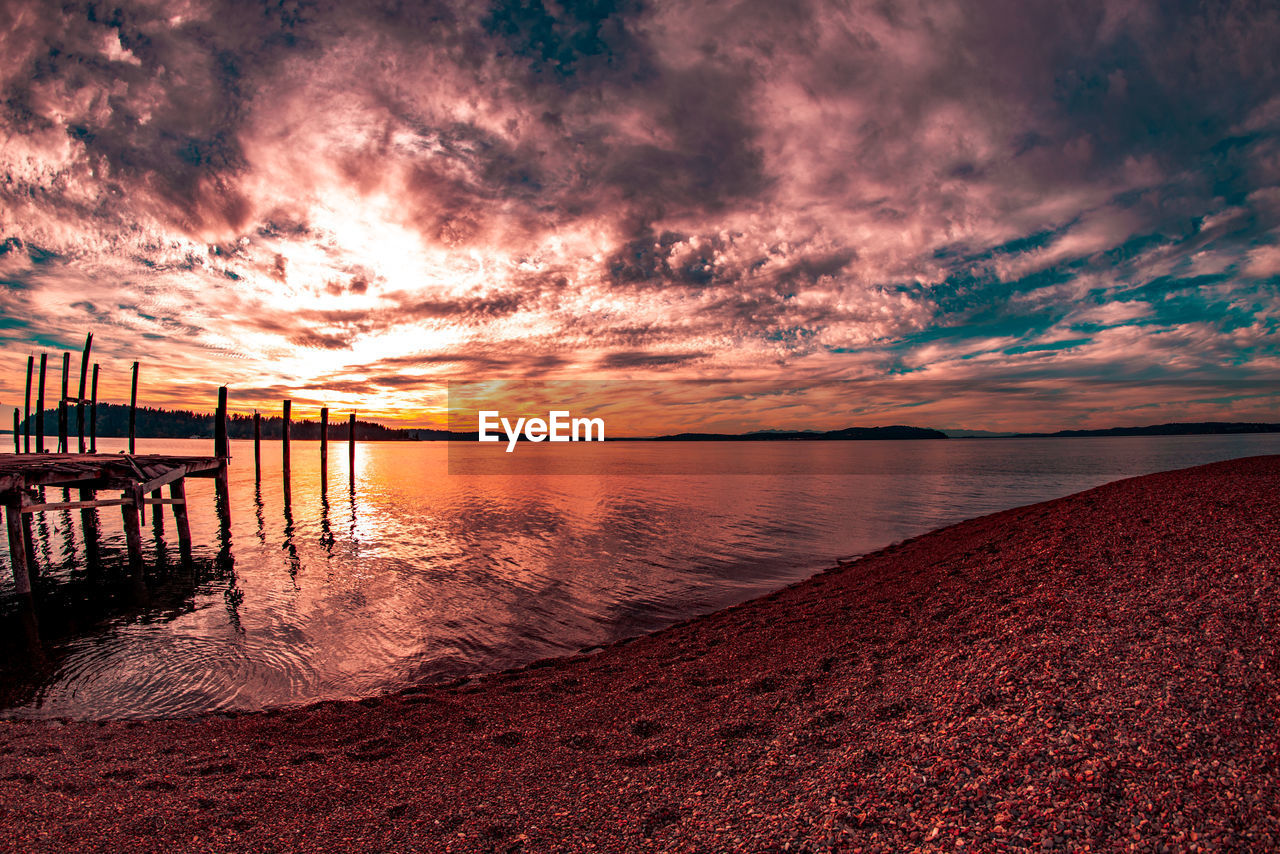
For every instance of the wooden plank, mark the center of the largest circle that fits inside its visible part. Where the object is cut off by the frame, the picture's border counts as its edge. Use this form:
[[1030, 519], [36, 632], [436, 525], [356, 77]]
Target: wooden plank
[[156, 499], [133, 408], [204, 471], [84, 369], [40, 407], [26, 407], [134, 465], [74, 505], [164, 479], [18, 557]]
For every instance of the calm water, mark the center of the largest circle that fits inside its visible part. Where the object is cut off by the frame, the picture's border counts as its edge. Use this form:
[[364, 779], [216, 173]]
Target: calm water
[[415, 573]]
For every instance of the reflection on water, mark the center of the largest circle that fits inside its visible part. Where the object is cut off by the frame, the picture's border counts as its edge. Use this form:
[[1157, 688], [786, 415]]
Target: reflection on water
[[326, 589]]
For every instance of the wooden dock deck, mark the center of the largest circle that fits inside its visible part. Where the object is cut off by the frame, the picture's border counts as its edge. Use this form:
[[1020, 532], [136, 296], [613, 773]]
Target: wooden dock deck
[[139, 479]]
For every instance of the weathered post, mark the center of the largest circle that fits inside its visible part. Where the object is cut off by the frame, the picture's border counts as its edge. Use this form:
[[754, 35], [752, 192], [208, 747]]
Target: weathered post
[[63, 447], [284, 435], [324, 444], [257, 447], [89, 524], [222, 451], [133, 522], [133, 408], [93, 412], [157, 514], [29, 539], [220, 426], [178, 492], [40, 407], [84, 369], [26, 408], [351, 448], [17, 432], [18, 556]]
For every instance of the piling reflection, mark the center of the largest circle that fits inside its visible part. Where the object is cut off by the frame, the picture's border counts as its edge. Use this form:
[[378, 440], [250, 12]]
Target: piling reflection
[[289, 546], [326, 530], [258, 512], [59, 636]]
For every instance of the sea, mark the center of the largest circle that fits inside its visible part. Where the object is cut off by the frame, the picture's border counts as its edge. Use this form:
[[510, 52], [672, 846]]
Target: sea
[[419, 564]]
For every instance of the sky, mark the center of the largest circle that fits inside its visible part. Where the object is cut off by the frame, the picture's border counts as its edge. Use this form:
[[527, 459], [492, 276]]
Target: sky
[[351, 203]]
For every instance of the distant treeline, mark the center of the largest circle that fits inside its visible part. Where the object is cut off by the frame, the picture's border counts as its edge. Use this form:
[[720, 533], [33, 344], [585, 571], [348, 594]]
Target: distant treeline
[[897, 431], [152, 423]]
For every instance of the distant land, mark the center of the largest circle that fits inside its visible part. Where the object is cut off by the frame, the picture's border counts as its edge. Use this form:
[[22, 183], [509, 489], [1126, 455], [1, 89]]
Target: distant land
[[153, 423], [1188, 428], [895, 432]]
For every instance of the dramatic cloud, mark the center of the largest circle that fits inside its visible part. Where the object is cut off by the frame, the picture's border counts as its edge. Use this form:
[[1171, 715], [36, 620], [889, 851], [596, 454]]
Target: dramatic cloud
[[352, 202]]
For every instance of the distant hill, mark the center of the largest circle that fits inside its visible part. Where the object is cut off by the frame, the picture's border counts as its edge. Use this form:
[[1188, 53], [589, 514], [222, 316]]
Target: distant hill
[[848, 433], [965, 433], [1191, 428]]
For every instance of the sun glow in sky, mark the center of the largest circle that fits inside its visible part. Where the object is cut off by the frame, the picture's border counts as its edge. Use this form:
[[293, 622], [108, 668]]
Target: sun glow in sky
[[350, 204]]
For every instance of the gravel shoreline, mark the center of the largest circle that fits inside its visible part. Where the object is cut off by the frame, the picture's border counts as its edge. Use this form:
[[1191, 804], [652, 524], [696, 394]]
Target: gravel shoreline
[[1098, 672]]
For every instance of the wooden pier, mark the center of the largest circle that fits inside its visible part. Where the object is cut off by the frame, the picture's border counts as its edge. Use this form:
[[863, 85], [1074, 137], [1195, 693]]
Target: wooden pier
[[138, 478]]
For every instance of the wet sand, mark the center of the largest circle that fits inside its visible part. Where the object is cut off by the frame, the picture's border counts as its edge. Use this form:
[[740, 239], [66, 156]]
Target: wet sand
[[1101, 671]]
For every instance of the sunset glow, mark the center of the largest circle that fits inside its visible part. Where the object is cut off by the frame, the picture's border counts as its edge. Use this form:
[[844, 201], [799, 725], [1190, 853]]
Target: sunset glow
[[351, 206]]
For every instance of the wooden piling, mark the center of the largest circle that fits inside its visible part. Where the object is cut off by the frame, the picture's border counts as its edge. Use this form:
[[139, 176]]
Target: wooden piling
[[29, 541], [18, 557], [284, 435], [26, 407], [62, 405], [157, 514], [220, 426], [133, 409], [84, 369], [222, 450], [40, 407], [257, 447], [89, 525], [351, 448], [324, 443], [178, 492], [93, 412], [17, 432], [132, 523]]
